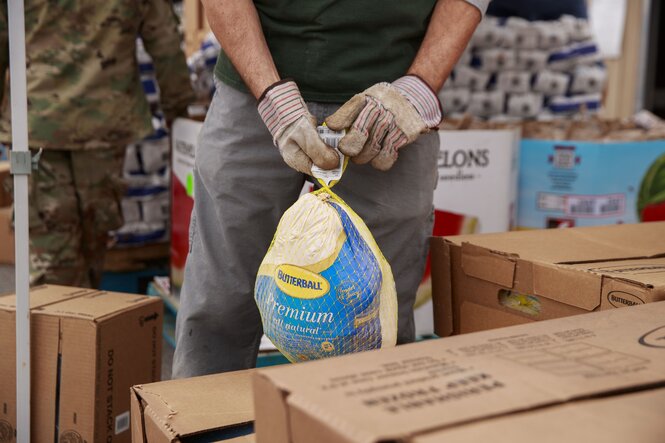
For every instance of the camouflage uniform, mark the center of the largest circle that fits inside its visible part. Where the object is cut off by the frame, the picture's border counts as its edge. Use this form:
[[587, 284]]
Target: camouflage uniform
[[85, 104]]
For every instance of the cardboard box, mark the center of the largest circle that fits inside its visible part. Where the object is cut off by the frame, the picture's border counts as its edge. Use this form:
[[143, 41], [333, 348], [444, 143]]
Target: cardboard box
[[6, 198], [6, 236], [88, 348], [493, 280], [570, 183], [184, 136], [473, 164], [216, 407], [425, 391], [631, 417]]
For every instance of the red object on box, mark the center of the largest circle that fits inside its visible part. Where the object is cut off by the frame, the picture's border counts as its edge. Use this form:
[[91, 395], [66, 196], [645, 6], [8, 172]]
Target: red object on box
[[654, 212]]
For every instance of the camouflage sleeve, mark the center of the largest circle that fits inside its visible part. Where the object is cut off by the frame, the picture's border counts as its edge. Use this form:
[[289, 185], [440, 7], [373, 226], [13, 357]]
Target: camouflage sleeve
[[159, 32], [4, 48]]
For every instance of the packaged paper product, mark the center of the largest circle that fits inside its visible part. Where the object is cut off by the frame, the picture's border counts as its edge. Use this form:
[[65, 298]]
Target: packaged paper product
[[573, 55], [485, 104], [551, 34], [531, 60], [147, 156], [526, 35], [455, 100], [507, 37], [588, 79], [514, 82], [471, 78], [497, 59], [201, 66], [577, 28], [524, 105], [131, 210], [487, 35], [324, 288], [551, 83], [578, 103]]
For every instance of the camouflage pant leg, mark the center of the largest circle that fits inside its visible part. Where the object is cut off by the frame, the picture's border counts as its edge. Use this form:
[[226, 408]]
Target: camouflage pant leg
[[99, 187], [74, 202]]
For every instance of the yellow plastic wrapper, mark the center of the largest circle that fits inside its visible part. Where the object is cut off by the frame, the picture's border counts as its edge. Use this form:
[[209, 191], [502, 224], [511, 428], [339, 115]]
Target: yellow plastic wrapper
[[324, 288]]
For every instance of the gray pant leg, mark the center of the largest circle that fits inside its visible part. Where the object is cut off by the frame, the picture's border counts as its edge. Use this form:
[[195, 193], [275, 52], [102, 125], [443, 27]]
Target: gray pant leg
[[242, 187]]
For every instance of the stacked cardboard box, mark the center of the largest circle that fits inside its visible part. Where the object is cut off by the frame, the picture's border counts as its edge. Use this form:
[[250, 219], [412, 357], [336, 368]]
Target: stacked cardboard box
[[493, 280], [88, 348], [593, 172], [596, 377], [209, 408], [6, 212]]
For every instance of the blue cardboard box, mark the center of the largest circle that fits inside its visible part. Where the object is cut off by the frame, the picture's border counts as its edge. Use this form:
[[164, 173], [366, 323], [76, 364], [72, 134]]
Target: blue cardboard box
[[564, 183]]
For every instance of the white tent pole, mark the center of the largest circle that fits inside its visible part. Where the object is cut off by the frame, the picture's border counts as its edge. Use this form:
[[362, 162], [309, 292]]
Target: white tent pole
[[20, 160]]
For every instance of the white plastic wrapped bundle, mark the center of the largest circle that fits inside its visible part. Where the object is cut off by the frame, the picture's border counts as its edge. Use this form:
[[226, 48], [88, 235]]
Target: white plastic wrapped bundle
[[514, 81], [588, 80], [486, 104], [455, 100], [497, 59], [551, 83], [531, 60], [471, 78], [524, 105]]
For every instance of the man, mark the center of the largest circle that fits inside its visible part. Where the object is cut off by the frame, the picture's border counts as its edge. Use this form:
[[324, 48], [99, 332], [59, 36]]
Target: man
[[85, 104], [299, 61]]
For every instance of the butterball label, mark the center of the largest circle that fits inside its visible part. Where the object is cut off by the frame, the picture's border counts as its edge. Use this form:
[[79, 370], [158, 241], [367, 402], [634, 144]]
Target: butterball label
[[300, 283], [619, 299], [654, 338]]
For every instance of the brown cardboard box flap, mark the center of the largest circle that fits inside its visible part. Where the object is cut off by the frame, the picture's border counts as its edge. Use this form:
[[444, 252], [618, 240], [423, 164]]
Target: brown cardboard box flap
[[196, 405], [397, 393], [649, 272], [601, 243], [489, 265], [98, 305], [42, 296], [635, 417], [442, 280], [573, 287]]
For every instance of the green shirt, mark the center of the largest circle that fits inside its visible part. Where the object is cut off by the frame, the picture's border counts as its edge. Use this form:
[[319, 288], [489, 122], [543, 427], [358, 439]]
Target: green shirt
[[335, 49]]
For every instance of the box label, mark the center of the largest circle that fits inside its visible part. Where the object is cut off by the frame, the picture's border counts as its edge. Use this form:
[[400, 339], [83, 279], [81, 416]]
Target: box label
[[574, 183], [122, 422]]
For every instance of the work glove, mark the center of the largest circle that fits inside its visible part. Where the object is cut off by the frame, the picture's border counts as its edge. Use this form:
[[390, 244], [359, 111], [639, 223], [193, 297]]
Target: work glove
[[293, 128], [384, 118]]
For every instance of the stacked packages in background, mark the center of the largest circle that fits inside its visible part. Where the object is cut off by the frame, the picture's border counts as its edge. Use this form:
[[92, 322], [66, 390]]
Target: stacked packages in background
[[518, 69], [146, 204], [202, 68]]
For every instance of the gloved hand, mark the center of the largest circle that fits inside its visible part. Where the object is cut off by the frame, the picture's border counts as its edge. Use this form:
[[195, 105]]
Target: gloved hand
[[293, 128], [384, 118]]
